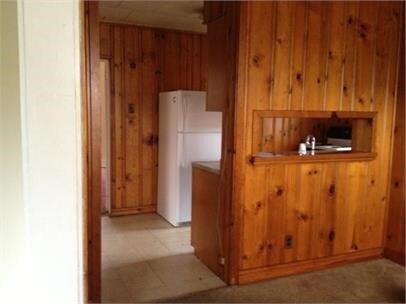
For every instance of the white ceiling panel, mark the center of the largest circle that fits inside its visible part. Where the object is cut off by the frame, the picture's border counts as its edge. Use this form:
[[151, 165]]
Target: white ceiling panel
[[180, 15]]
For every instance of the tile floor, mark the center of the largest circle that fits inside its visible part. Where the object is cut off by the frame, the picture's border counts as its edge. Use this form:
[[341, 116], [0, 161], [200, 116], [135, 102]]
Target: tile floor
[[145, 259]]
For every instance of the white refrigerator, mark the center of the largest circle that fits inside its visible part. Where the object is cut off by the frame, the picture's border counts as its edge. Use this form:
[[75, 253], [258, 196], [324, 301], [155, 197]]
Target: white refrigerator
[[187, 133]]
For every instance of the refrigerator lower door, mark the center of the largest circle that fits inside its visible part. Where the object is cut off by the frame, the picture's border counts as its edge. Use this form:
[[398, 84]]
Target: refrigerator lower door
[[193, 147]]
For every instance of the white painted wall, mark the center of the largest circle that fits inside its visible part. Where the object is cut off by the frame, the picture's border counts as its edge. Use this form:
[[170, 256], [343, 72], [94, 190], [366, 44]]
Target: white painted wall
[[51, 152], [12, 219]]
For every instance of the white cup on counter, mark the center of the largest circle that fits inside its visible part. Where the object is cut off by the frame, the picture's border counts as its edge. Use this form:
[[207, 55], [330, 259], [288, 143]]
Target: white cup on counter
[[302, 149]]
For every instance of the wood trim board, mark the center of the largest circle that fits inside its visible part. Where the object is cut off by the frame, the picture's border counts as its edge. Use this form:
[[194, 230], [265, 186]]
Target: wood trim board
[[253, 275], [92, 122]]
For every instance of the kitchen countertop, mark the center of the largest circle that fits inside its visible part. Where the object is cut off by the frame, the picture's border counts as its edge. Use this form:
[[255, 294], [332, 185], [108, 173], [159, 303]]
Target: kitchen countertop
[[211, 166]]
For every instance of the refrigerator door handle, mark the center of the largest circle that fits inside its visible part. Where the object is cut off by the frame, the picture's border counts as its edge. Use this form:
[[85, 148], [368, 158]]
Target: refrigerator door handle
[[185, 101], [183, 153]]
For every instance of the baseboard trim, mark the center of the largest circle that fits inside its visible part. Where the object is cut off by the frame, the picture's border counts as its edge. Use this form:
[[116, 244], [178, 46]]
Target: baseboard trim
[[133, 210], [258, 274], [395, 256]]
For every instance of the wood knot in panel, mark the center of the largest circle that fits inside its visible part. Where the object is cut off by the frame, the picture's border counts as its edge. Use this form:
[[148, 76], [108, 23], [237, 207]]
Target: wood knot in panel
[[257, 60], [258, 205], [330, 54], [303, 216], [332, 189], [279, 191], [363, 31], [133, 65], [298, 76], [331, 235]]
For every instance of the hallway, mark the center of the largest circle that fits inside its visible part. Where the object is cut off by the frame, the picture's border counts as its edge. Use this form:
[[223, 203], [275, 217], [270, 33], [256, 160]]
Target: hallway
[[145, 259]]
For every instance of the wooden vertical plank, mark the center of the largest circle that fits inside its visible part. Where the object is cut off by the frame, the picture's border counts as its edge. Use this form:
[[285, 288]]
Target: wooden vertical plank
[[217, 68], [282, 59], [203, 63], [118, 124], [159, 46], [132, 115], [260, 55], [348, 203], [189, 71], [149, 99], [172, 67], [226, 194], [307, 208], [254, 238], [92, 110], [290, 215], [325, 231], [276, 195], [196, 62], [260, 127], [184, 61], [315, 64], [365, 40], [267, 135], [105, 40], [299, 55], [335, 60], [351, 17], [278, 134]]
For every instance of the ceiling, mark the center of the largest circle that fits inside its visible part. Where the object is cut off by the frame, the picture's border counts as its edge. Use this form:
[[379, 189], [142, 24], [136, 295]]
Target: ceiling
[[179, 15]]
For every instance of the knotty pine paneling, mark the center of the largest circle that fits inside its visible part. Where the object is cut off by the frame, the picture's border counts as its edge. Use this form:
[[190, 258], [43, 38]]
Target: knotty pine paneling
[[143, 62], [395, 234], [313, 56]]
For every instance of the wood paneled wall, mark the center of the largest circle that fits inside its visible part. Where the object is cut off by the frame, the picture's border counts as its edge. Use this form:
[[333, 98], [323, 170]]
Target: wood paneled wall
[[143, 62], [313, 56], [395, 236], [223, 17]]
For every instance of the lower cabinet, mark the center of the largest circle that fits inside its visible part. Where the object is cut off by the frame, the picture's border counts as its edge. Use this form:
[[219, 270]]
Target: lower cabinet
[[207, 230]]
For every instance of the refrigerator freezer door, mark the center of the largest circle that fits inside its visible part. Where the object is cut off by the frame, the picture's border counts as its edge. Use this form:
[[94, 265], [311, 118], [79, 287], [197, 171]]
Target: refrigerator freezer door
[[194, 147], [193, 116]]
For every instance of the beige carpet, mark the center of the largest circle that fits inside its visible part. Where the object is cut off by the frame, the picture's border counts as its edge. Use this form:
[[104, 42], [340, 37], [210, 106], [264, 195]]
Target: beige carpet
[[376, 281]]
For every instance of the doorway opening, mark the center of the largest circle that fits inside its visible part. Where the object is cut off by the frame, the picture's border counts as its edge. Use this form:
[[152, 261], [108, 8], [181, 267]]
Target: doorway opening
[[147, 254]]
